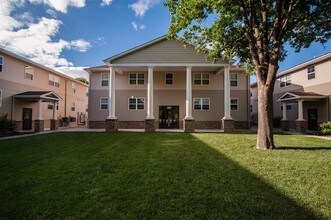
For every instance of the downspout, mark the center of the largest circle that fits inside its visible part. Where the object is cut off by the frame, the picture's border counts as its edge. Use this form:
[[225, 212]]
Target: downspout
[[12, 108], [249, 101], [65, 99]]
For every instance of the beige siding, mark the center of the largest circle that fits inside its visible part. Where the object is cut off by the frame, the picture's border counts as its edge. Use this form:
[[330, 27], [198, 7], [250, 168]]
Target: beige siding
[[166, 51]]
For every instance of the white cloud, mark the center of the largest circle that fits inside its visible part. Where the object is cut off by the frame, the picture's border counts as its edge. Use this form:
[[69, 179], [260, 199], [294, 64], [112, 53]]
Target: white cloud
[[34, 38], [106, 2], [51, 12], [141, 6], [74, 72], [61, 5], [137, 26]]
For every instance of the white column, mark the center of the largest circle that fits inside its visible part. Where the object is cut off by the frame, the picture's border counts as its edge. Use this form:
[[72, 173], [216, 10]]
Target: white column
[[300, 110], [284, 111], [150, 94], [40, 110], [227, 101], [54, 110], [188, 93], [111, 98]]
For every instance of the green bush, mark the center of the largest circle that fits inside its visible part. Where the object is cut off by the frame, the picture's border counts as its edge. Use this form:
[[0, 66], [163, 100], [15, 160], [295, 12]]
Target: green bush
[[6, 124], [325, 127]]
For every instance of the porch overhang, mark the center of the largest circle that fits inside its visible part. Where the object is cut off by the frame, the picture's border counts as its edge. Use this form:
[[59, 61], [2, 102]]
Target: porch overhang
[[304, 96], [45, 96]]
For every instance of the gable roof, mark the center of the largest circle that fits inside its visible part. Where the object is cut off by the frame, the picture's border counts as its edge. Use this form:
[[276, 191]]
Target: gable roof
[[299, 95], [44, 95]]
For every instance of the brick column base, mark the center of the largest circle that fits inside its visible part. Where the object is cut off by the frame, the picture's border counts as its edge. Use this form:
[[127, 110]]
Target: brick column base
[[38, 125], [149, 125], [111, 125], [227, 125], [188, 125], [285, 125], [301, 126], [54, 124]]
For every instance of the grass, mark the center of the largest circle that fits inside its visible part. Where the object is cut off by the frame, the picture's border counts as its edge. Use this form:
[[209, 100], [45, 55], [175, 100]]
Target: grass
[[164, 176]]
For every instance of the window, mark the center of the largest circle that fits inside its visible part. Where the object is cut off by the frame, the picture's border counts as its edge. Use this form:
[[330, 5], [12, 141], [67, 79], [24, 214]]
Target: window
[[104, 103], [169, 78], [50, 106], [1, 63], [136, 78], [136, 103], [104, 79], [234, 103], [87, 91], [285, 80], [73, 106], [311, 72], [0, 98], [53, 80], [288, 106], [201, 79], [73, 87], [201, 103], [28, 72], [234, 79]]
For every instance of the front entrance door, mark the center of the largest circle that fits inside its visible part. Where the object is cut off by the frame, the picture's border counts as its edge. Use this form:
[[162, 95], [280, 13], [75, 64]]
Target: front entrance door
[[312, 119], [27, 119], [169, 117]]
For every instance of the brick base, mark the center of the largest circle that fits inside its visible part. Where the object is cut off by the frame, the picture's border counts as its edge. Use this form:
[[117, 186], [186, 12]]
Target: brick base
[[285, 125], [54, 124], [111, 125], [149, 125], [96, 124], [189, 125], [131, 124], [38, 125], [227, 125], [301, 126]]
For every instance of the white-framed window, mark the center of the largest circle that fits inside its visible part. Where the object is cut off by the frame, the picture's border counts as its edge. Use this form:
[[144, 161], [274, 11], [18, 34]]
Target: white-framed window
[[136, 103], [104, 79], [311, 72], [53, 80], [285, 80], [201, 103], [136, 78], [1, 63], [73, 106], [201, 79], [288, 106], [0, 98], [87, 91], [234, 104], [28, 72], [73, 87], [50, 106], [234, 79], [169, 78], [103, 103]]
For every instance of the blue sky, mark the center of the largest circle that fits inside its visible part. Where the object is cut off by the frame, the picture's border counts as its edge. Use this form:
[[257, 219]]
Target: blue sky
[[69, 35]]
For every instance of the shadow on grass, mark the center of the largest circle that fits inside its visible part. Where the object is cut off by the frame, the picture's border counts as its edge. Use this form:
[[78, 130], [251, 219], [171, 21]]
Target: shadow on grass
[[303, 148], [133, 176]]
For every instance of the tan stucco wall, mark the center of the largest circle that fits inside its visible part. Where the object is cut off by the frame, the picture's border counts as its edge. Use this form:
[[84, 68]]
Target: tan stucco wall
[[12, 82]]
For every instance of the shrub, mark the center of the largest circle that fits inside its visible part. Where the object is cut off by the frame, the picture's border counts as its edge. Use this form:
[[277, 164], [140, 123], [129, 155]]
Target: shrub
[[6, 124], [325, 127]]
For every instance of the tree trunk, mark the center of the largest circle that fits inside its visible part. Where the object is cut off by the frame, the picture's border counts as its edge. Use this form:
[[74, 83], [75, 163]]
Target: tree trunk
[[265, 138]]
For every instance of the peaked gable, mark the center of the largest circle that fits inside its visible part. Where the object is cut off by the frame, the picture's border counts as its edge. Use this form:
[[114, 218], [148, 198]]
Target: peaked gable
[[161, 52]]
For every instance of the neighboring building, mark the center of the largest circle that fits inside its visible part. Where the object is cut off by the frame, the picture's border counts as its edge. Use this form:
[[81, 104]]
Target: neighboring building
[[302, 95], [147, 87], [32, 94]]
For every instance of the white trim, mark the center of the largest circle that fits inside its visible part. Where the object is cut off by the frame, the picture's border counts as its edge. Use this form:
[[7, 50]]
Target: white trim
[[1, 98], [137, 73], [201, 78], [73, 87], [237, 103], [73, 104], [104, 79], [287, 103], [25, 72], [104, 104], [168, 65], [201, 104], [3, 60], [311, 73], [136, 103], [234, 80]]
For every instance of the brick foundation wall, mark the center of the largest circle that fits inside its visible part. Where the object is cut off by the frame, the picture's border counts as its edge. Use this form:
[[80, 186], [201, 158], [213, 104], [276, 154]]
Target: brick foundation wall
[[241, 125], [131, 124], [207, 124], [96, 124]]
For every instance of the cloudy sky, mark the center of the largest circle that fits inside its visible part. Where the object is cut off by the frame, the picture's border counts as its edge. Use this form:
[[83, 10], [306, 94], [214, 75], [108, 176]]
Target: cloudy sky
[[69, 35]]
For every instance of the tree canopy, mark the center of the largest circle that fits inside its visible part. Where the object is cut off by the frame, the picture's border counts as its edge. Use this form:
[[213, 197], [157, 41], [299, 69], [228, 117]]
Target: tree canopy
[[82, 79]]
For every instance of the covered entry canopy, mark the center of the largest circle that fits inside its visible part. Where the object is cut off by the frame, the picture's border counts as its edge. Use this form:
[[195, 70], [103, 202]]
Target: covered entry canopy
[[305, 96], [45, 96]]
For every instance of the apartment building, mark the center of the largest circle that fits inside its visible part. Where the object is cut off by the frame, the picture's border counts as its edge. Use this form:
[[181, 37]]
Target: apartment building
[[37, 97], [163, 85], [302, 95]]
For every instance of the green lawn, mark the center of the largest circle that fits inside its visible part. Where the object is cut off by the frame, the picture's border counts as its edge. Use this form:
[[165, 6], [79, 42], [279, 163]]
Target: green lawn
[[164, 176]]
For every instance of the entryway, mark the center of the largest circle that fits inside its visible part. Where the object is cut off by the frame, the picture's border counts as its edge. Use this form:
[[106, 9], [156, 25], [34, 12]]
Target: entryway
[[313, 119], [169, 117], [27, 119]]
